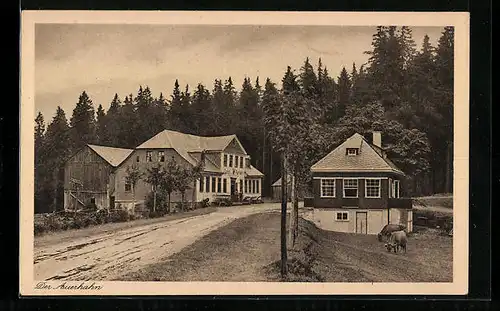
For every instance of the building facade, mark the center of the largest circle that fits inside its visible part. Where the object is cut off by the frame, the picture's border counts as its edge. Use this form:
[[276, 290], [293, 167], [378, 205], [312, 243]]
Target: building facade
[[357, 189], [100, 172]]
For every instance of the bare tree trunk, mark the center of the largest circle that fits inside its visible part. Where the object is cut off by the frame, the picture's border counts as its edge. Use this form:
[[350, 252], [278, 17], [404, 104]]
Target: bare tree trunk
[[154, 200], [54, 199], [293, 225], [168, 206], [133, 200], [284, 200], [193, 197]]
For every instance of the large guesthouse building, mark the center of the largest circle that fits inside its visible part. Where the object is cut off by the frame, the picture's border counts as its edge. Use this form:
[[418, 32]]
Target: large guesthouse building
[[97, 174]]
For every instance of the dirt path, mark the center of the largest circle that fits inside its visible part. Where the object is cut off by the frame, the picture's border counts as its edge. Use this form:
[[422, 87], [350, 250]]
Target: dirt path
[[235, 253], [106, 256]]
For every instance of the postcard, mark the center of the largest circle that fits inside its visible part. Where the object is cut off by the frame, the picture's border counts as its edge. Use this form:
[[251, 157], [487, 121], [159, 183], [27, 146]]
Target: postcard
[[244, 153]]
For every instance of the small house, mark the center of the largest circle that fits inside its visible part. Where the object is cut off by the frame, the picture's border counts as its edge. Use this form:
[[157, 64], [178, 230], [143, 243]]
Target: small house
[[357, 188]]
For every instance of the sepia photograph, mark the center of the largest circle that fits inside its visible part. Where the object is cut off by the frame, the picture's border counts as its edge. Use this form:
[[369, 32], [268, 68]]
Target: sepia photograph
[[245, 153]]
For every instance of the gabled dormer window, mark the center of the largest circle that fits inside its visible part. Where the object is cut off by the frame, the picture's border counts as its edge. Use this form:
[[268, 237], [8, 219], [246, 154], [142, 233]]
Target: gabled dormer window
[[352, 151]]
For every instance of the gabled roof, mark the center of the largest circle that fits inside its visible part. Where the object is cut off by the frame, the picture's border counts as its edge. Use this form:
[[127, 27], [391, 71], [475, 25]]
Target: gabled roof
[[278, 182], [253, 172], [368, 160], [114, 156], [185, 144]]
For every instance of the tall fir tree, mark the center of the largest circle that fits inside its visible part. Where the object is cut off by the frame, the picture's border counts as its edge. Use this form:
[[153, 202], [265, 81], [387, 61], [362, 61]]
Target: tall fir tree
[[308, 80], [57, 149], [101, 129], [344, 93], [111, 136], [444, 69], [186, 117], [83, 122], [202, 116], [289, 82]]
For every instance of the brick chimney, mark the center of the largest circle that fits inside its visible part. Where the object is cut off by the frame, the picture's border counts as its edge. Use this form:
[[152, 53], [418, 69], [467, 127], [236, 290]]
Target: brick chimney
[[377, 138]]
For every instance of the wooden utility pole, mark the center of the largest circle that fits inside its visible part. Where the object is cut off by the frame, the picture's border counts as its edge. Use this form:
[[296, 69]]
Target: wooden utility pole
[[284, 200]]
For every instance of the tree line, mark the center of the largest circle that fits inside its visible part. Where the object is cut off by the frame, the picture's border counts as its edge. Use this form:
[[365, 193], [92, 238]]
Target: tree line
[[404, 91]]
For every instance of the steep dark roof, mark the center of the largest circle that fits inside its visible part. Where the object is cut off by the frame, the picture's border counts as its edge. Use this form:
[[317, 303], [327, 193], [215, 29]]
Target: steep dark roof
[[369, 159]]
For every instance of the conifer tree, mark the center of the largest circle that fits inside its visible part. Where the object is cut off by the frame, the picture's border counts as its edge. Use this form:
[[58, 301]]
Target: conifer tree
[[344, 92], [201, 111], [57, 150], [308, 80], [83, 122], [101, 127], [113, 127]]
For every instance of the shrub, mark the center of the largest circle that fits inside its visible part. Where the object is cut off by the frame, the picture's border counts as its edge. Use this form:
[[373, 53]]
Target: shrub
[[161, 201], [204, 203], [179, 206], [118, 216]]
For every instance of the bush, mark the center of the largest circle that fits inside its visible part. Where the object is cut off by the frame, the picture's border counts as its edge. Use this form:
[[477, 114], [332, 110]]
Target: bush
[[179, 206], [118, 216], [204, 203]]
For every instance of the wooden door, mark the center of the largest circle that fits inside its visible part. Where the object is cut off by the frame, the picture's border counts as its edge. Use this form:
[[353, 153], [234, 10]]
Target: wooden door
[[361, 222]]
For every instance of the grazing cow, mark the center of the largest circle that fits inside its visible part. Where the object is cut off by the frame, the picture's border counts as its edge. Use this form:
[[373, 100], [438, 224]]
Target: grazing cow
[[397, 241], [388, 229]]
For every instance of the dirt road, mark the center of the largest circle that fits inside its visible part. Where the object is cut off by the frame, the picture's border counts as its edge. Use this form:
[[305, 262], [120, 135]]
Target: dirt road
[[106, 256]]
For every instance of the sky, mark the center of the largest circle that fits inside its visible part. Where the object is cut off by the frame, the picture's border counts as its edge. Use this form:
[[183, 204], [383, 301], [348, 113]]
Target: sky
[[108, 59]]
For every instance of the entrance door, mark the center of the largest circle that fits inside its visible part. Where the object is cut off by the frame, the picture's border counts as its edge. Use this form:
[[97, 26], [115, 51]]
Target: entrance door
[[234, 194], [361, 222]]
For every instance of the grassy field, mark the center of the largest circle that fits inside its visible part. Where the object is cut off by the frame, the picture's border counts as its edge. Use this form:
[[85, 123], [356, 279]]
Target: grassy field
[[437, 200], [248, 250]]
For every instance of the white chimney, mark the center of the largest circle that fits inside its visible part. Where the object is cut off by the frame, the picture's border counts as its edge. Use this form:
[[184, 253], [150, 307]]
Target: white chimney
[[377, 139]]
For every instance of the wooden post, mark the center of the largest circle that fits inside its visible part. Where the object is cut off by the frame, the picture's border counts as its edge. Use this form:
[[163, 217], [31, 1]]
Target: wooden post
[[283, 218]]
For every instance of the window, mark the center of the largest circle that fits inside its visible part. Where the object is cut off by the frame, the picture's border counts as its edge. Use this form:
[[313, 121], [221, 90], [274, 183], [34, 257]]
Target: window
[[224, 185], [241, 185], [395, 189], [161, 156], [352, 151], [246, 186], [128, 186], [390, 188], [248, 162], [241, 162], [350, 188], [257, 186], [342, 216], [137, 159], [218, 185], [149, 156], [231, 160], [207, 184], [201, 184], [225, 160], [327, 187], [372, 188], [236, 160], [214, 183]]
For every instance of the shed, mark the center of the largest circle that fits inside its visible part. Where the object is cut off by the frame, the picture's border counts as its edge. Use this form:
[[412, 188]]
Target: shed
[[276, 189]]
